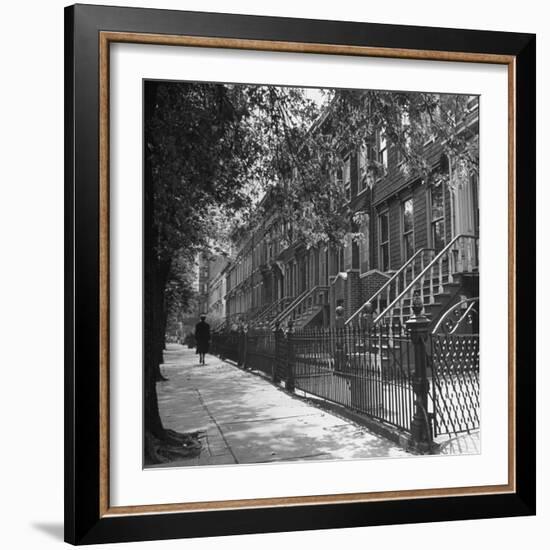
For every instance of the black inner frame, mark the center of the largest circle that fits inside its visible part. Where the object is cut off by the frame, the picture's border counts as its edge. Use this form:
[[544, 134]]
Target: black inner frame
[[83, 524]]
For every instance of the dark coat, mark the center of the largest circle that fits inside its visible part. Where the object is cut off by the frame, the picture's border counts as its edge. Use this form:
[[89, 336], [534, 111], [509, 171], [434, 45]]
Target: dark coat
[[202, 336]]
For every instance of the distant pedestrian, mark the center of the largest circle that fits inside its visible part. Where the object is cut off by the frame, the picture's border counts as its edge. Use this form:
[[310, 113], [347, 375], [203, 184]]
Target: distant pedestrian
[[202, 337]]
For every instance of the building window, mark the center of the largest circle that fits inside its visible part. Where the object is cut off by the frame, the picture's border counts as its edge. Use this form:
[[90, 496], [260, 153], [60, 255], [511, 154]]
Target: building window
[[437, 215], [362, 165], [407, 229], [383, 150], [406, 133], [346, 177], [365, 155], [475, 192], [364, 244], [339, 175], [348, 253], [384, 246], [340, 259]]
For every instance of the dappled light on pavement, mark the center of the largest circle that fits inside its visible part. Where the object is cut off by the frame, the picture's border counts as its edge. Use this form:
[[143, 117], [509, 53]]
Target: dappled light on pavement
[[246, 419]]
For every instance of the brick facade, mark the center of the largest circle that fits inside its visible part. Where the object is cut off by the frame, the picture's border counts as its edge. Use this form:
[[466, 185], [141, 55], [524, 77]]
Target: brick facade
[[371, 283], [263, 271]]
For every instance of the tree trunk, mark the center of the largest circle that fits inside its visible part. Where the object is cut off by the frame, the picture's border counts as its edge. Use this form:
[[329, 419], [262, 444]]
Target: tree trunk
[[159, 444], [161, 270], [152, 423]]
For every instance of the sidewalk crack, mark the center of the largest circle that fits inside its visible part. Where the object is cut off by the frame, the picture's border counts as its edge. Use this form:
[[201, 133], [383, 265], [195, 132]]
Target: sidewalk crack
[[201, 401]]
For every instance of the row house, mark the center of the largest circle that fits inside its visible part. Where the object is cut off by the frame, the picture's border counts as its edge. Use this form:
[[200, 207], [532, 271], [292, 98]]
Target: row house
[[406, 236], [216, 301], [203, 276]]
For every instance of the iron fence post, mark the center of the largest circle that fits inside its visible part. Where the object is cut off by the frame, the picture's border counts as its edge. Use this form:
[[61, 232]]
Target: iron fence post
[[245, 346], [219, 345], [421, 429], [290, 356], [339, 358], [366, 318], [277, 342], [240, 346]]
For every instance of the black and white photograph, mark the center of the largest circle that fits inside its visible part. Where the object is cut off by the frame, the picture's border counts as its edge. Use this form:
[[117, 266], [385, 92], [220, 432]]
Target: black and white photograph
[[245, 245], [311, 274]]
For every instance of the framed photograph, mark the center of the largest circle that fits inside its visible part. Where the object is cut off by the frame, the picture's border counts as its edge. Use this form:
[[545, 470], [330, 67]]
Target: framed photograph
[[299, 274]]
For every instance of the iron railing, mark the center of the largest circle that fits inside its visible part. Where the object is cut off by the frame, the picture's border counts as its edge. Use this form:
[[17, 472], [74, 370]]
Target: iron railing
[[307, 302], [462, 317], [454, 361], [260, 351], [369, 372], [272, 311], [398, 280], [289, 304], [460, 255], [227, 345], [400, 377]]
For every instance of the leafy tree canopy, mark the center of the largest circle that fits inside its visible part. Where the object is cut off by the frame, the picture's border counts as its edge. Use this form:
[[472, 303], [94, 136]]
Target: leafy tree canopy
[[216, 149]]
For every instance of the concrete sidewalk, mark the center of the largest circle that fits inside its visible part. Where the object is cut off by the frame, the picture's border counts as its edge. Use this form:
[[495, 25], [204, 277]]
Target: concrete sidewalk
[[246, 419]]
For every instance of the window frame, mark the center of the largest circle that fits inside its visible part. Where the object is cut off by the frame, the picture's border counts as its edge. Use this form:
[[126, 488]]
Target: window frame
[[382, 152], [405, 120], [366, 152], [404, 233], [431, 221], [381, 244], [364, 244], [346, 176]]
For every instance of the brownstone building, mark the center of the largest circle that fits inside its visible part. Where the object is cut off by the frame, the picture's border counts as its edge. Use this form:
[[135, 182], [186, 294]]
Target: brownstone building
[[415, 238]]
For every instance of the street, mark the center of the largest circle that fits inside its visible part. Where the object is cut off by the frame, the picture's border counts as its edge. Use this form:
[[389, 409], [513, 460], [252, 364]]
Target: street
[[246, 419]]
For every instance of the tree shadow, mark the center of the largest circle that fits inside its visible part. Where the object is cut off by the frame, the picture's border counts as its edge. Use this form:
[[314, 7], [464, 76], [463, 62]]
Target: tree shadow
[[261, 422]]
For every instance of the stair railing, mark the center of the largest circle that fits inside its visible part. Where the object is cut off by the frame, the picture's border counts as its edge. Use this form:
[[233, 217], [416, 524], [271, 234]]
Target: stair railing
[[274, 308], [256, 314], [461, 255], [220, 325], [304, 302], [399, 276], [234, 319], [289, 305]]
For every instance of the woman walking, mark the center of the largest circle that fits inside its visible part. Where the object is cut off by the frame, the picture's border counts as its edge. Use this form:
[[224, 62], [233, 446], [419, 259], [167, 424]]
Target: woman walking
[[202, 337]]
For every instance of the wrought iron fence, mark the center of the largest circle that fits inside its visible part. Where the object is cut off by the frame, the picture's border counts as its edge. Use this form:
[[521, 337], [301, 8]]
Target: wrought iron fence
[[260, 351], [454, 365], [425, 385], [228, 345], [366, 371]]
